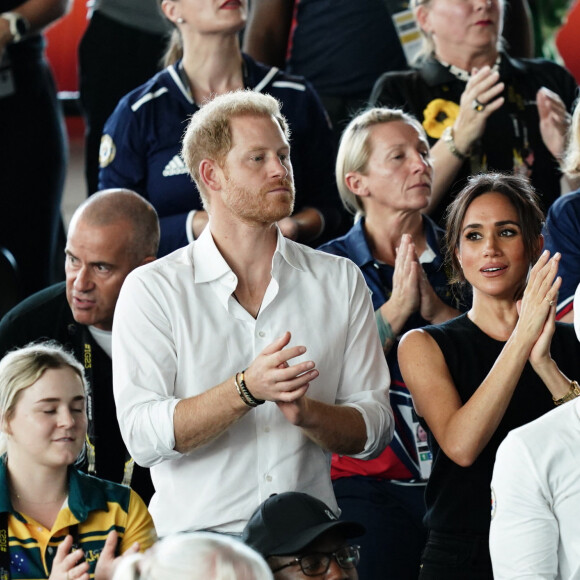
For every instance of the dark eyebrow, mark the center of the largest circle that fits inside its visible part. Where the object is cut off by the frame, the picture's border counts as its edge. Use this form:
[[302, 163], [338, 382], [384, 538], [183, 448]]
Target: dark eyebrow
[[497, 225], [93, 264]]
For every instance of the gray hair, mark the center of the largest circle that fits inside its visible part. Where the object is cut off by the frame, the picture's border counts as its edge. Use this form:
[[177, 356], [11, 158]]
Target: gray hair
[[195, 556], [115, 205]]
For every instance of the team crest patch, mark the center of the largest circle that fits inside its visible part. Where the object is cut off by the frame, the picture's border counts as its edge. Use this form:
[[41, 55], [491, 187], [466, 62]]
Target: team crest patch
[[106, 151], [493, 503]]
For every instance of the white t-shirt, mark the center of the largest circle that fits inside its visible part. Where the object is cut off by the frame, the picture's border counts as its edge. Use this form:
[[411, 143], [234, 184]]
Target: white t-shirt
[[104, 338], [535, 526]]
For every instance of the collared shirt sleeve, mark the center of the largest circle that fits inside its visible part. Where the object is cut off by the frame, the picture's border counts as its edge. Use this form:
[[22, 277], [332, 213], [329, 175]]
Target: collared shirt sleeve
[[144, 371], [139, 526], [524, 531], [365, 379]]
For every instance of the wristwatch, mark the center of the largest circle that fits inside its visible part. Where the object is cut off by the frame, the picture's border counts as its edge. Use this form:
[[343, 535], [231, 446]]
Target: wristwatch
[[19, 26], [448, 139]]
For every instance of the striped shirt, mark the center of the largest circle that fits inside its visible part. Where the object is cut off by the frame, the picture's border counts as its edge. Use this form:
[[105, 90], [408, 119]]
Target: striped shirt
[[97, 506]]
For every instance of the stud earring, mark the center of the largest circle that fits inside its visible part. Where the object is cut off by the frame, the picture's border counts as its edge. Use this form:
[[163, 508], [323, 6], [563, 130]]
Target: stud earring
[[180, 20]]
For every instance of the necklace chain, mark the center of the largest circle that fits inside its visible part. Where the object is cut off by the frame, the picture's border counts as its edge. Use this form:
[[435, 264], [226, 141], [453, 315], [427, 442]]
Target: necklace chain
[[463, 75]]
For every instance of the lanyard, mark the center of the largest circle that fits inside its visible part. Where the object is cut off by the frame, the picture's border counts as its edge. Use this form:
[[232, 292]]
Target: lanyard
[[91, 436], [5, 551]]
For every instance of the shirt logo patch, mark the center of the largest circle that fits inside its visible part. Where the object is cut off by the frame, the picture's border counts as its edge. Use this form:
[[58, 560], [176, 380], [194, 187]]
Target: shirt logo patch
[[107, 151], [175, 167]]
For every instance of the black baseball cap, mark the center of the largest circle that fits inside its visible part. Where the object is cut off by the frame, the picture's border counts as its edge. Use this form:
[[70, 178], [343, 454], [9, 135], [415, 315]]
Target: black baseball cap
[[287, 522]]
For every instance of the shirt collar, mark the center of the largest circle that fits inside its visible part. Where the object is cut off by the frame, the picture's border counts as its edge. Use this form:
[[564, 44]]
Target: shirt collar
[[210, 264], [358, 248], [85, 493], [5, 503], [286, 250], [436, 73]]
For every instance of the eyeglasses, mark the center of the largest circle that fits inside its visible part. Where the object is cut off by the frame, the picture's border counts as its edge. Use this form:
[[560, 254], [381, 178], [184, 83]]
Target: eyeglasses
[[318, 563]]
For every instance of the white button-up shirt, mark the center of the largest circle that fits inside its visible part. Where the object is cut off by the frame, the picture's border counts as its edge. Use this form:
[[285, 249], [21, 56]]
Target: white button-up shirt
[[178, 331]]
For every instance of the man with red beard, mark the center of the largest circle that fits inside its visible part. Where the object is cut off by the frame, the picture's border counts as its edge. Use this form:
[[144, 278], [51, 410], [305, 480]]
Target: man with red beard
[[242, 361]]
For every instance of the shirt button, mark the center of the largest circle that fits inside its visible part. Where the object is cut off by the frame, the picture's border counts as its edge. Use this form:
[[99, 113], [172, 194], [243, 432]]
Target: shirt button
[[268, 478], [261, 334], [50, 550]]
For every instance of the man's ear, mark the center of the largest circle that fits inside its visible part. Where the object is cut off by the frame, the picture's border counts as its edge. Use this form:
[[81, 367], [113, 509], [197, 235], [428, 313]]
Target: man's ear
[[355, 181], [147, 260], [211, 174]]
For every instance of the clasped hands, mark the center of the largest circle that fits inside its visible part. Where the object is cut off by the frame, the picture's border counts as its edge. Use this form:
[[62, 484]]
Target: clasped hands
[[71, 565], [272, 377], [411, 290]]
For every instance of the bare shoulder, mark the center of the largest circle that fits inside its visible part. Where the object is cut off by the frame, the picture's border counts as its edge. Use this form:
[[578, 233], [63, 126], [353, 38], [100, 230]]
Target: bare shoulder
[[425, 371], [417, 341]]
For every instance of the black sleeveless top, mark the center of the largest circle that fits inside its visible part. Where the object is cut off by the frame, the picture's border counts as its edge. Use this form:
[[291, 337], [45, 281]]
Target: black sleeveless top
[[458, 498]]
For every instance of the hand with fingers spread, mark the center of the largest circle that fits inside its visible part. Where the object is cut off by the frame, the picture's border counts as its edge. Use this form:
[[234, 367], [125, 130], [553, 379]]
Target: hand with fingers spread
[[481, 98], [69, 565], [272, 378], [554, 121]]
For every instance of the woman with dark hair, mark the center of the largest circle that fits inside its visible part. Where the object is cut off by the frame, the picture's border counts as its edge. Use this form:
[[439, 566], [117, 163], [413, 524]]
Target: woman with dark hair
[[140, 148], [502, 364], [57, 522]]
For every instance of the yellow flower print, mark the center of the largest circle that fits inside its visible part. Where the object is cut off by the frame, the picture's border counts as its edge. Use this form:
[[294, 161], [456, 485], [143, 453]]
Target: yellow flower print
[[438, 115]]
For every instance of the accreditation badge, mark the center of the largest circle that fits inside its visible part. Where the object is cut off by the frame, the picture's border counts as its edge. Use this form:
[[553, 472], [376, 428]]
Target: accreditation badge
[[409, 34], [423, 452]]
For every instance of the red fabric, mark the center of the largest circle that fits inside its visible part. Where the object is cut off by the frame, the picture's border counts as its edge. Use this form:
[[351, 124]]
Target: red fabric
[[385, 466], [568, 41], [293, 26], [565, 310]]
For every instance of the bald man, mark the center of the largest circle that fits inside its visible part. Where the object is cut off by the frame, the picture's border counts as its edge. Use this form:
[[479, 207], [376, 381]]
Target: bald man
[[110, 234]]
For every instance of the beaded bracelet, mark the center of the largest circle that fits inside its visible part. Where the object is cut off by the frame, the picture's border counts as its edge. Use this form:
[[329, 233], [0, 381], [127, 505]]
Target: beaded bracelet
[[571, 394], [239, 389], [244, 392]]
